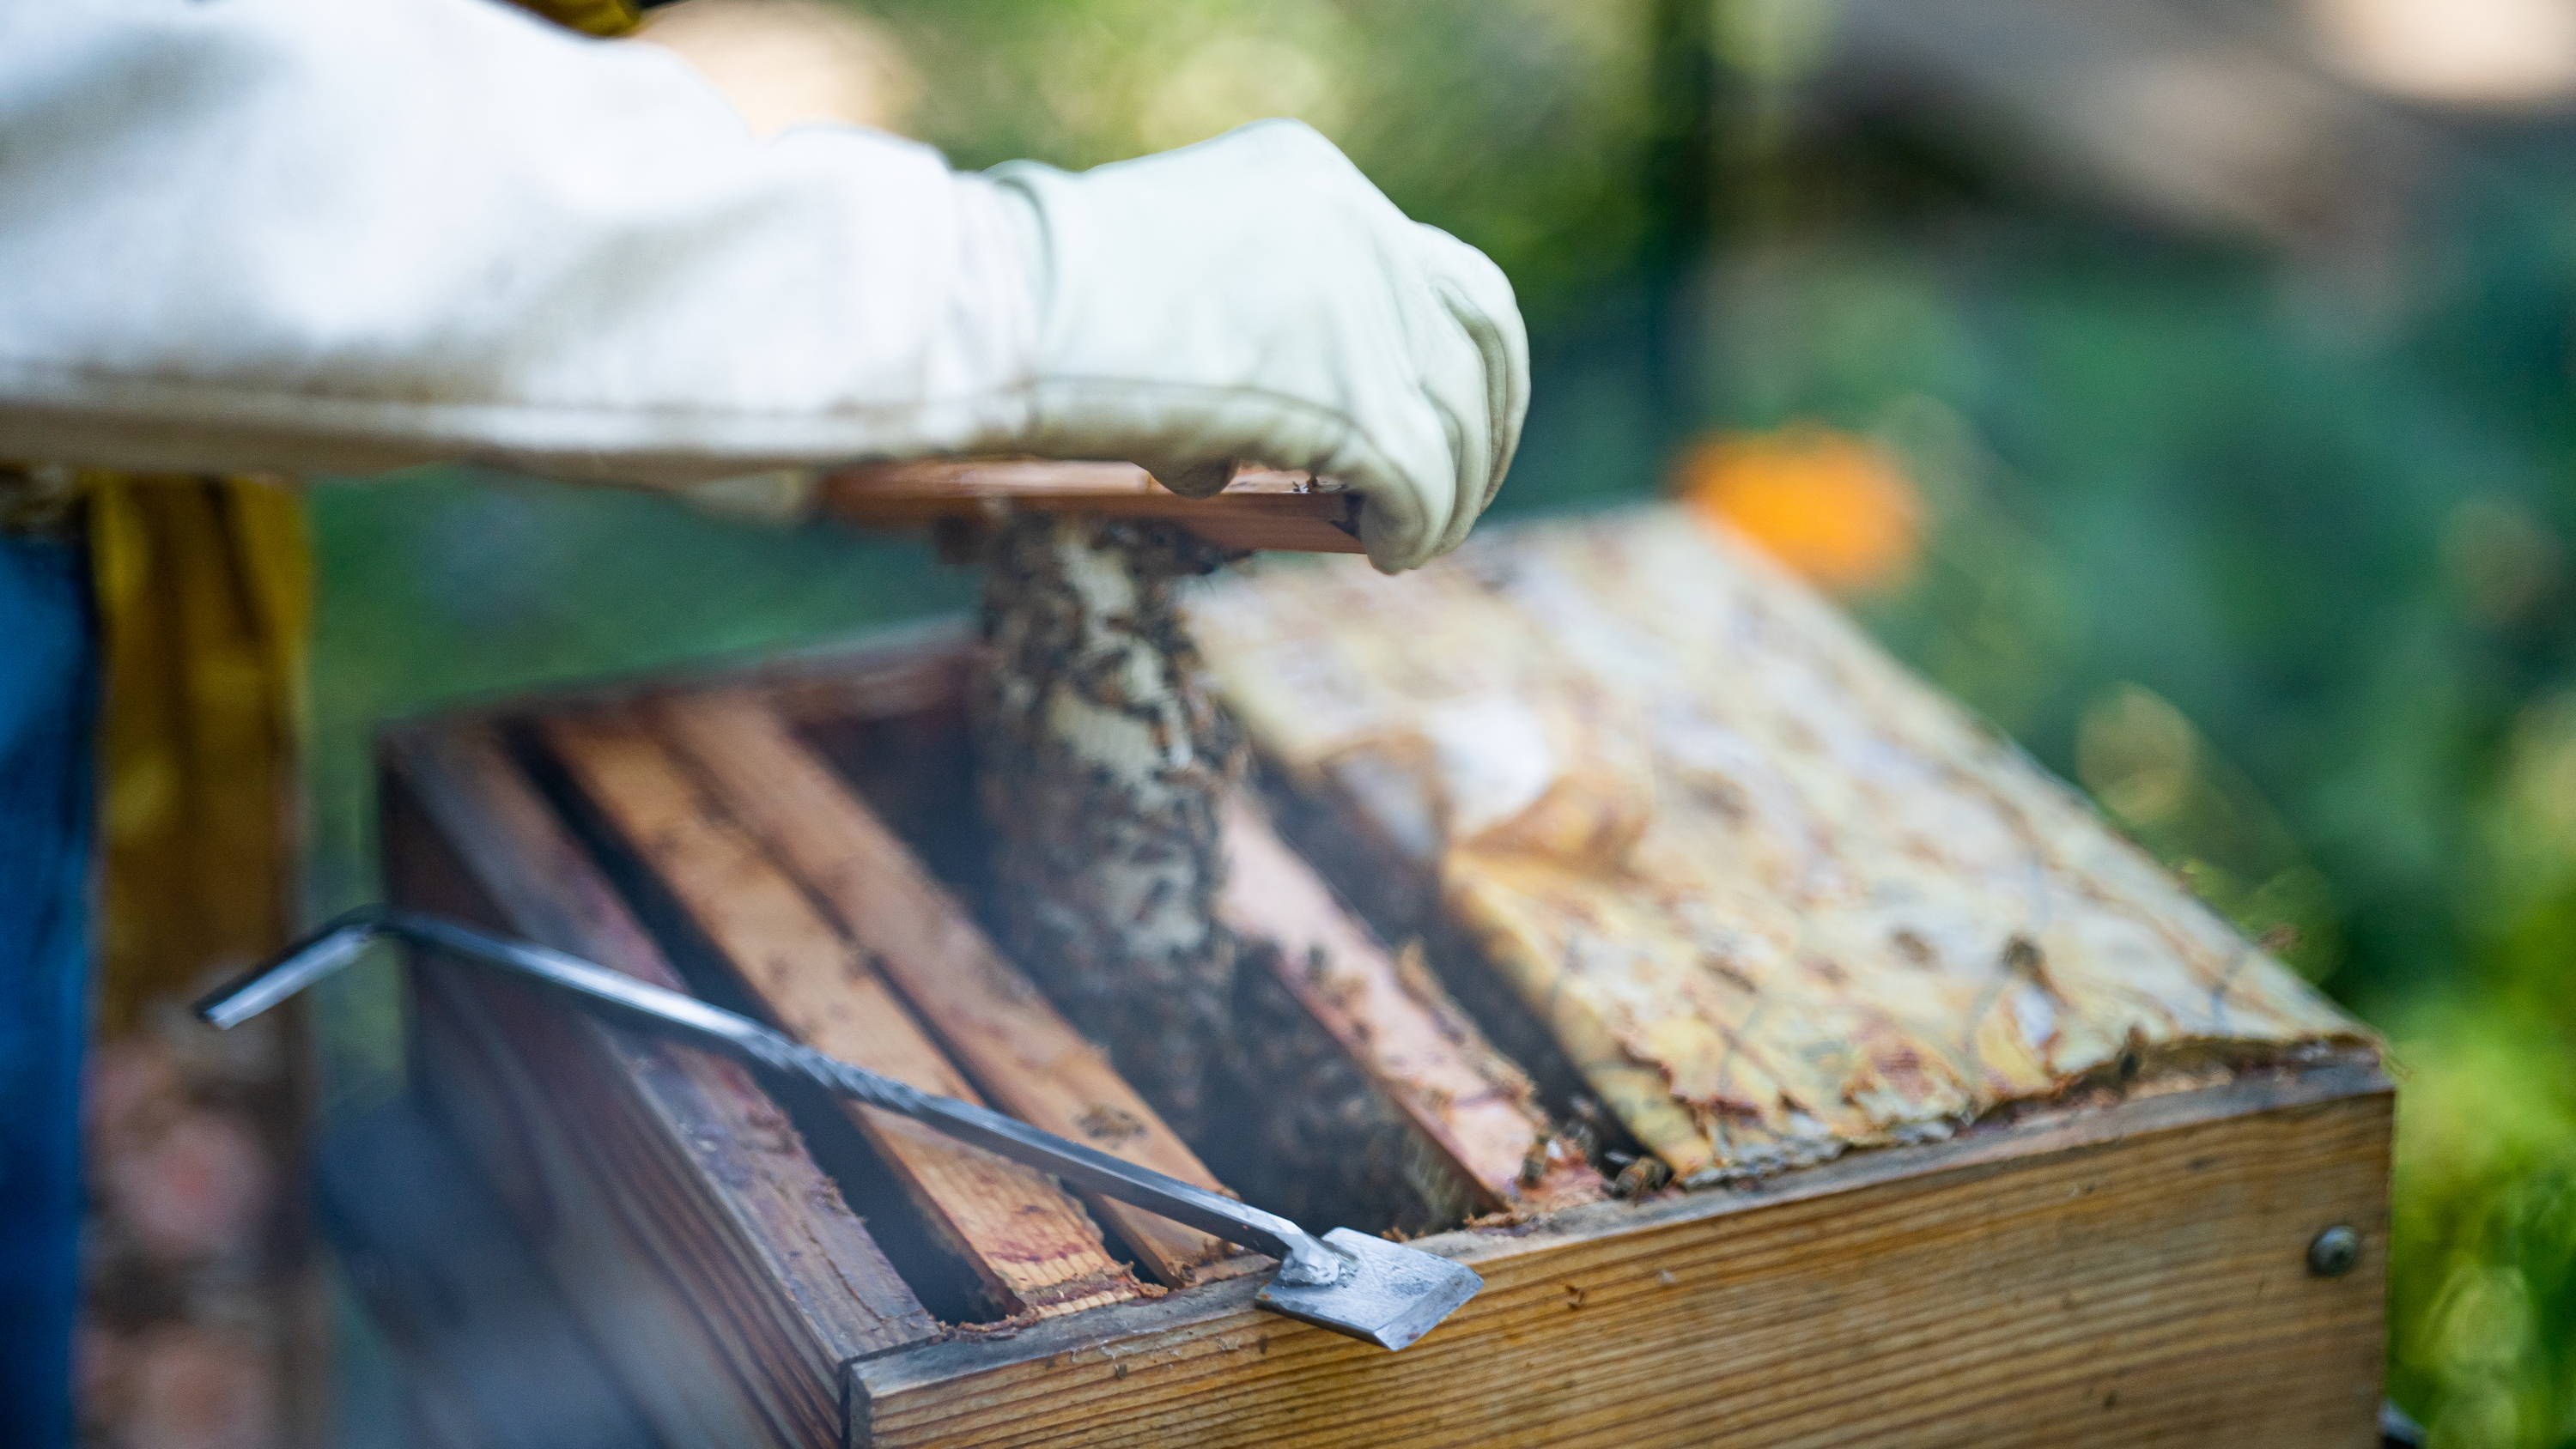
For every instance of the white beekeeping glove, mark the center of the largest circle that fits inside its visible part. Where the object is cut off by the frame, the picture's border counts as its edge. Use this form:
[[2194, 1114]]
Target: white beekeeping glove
[[1254, 298]]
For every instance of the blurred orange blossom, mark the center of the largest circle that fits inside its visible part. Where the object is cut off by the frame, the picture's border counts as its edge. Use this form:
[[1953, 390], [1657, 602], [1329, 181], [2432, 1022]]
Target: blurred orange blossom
[[1834, 507]]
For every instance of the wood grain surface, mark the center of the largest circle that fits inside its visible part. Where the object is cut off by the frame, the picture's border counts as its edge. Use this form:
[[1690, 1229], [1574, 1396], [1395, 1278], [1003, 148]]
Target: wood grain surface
[[1023, 1055], [1260, 509], [1475, 1111], [1771, 895], [715, 1266], [1028, 1241], [1999, 1139], [2125, 1276]]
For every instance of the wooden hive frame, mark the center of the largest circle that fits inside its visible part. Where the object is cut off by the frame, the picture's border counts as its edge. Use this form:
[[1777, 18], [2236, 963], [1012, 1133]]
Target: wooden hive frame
[[1259, 509], [2123, 1265]]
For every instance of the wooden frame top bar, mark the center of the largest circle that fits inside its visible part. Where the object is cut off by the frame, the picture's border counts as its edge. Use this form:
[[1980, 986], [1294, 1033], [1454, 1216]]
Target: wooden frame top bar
[[1261, 509], [1030, 1060], [1474, 1110], [1032, 1246]]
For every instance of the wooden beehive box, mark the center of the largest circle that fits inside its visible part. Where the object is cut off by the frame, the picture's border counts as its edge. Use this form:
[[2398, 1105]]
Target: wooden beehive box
[[1796, 1062]]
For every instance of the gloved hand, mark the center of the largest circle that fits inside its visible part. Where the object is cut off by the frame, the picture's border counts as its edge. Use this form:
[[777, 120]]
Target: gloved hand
[[1254, 298], [425, 230]]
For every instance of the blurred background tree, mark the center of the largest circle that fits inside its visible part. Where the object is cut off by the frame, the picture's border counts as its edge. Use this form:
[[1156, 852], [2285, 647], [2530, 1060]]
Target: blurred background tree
[[2183, 384]]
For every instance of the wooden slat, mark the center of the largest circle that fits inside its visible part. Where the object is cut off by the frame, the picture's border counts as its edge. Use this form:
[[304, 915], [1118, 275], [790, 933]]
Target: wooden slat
[[1260, 509], [2124, 1276], [714, 1264], [1023, 1054], [1472, 1108], [1030, 1243]]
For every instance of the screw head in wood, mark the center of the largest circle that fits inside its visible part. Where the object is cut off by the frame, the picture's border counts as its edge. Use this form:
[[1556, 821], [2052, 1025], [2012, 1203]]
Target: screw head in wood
[[2332, 1253]]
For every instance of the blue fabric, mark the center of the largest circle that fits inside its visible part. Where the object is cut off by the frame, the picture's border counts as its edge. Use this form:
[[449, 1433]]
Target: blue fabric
[[48, 682]]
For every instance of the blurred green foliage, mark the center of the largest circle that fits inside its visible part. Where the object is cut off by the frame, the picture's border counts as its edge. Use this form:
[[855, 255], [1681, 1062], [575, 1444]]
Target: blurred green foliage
[[2274, 565], [2294, 606], [1518, 122]]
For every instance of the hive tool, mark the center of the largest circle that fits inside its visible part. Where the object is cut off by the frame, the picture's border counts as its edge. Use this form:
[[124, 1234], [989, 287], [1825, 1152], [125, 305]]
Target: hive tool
[[1384, 1293]]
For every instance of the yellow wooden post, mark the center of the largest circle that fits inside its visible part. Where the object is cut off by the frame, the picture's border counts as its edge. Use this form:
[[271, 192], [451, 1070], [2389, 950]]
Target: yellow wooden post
[[204, 595]]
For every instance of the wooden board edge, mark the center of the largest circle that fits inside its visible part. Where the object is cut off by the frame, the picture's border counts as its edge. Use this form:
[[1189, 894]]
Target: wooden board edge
[[2129, 1286], [918, 1366]]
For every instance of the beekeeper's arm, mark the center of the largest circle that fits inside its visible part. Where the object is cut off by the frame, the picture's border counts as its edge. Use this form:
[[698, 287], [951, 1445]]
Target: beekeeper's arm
[[315, 235]]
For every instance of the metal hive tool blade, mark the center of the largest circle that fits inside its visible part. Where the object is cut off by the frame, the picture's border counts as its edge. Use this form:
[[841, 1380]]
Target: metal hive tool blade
[[1390, 1294]]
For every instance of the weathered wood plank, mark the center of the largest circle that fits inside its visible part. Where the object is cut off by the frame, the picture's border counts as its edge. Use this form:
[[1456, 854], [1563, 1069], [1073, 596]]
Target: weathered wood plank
[[1029, 1243], [715, 1265], [1473, 1110], [1024, 1055], [2128, 1275], [1260, 509]]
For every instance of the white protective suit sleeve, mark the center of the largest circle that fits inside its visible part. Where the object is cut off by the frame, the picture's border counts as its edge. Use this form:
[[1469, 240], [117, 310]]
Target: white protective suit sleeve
[[348, 235]]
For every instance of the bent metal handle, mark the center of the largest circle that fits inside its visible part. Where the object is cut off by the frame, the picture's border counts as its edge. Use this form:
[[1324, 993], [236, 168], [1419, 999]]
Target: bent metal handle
[[1303, 1258]]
